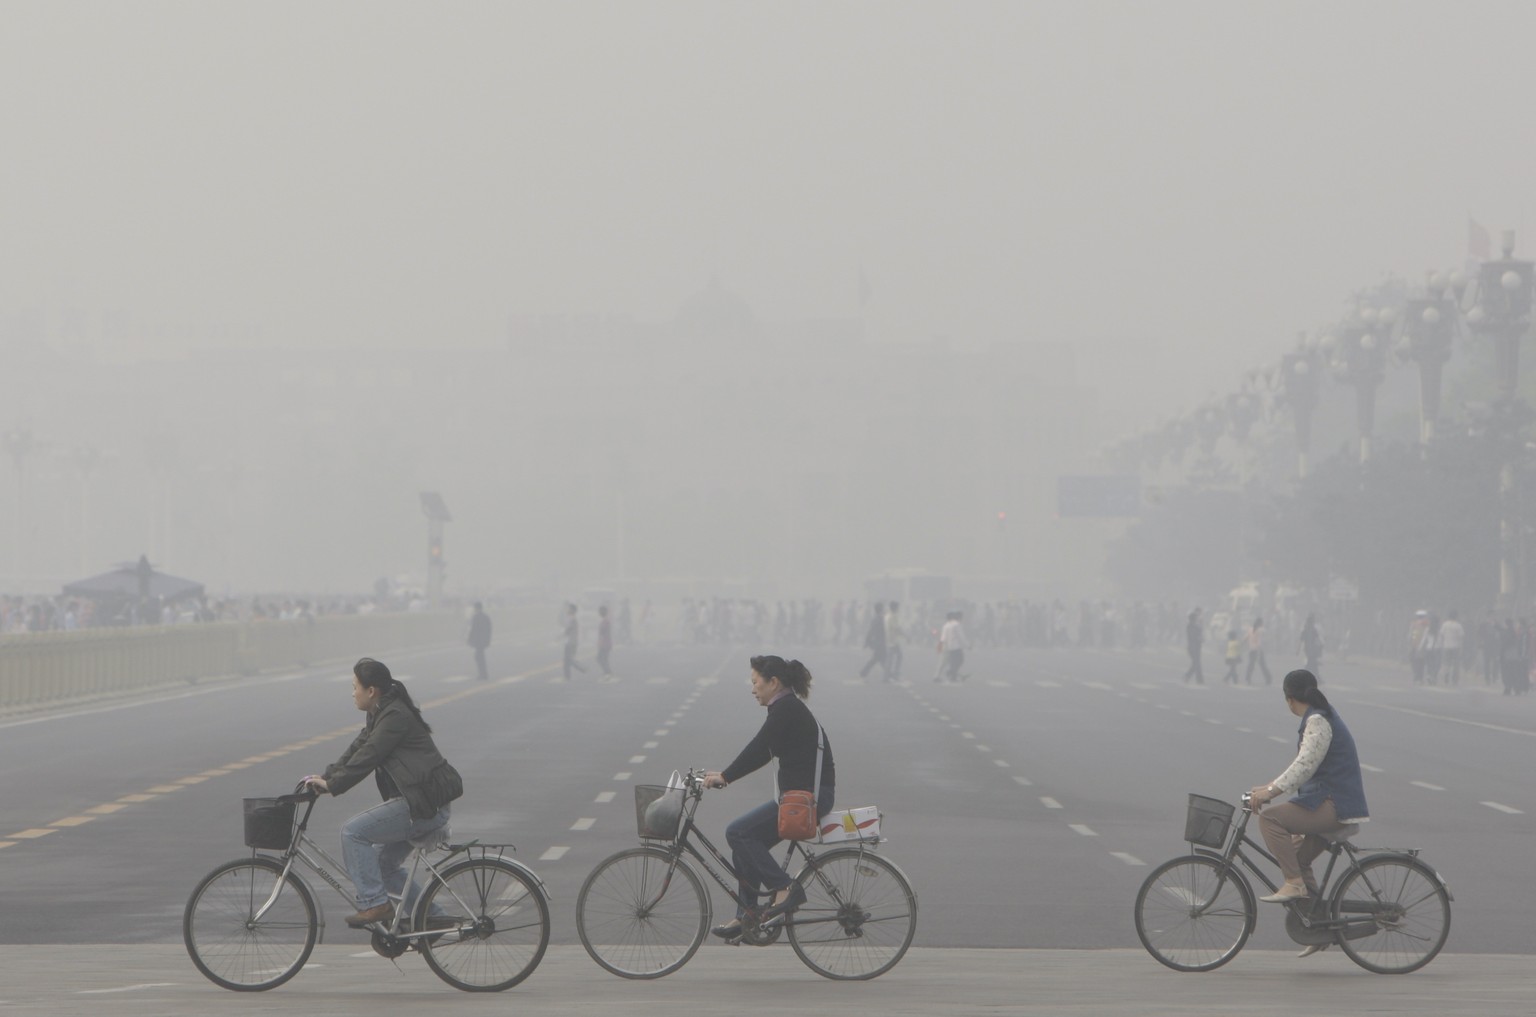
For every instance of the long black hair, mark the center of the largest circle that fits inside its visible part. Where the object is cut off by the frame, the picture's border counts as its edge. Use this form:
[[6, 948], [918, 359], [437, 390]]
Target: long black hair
[[795, 675], [374, 674], [1301, 685]]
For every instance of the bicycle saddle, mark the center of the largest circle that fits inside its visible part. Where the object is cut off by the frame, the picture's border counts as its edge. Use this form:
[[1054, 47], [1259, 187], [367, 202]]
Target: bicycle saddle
[[433, 840], [1341, 833]]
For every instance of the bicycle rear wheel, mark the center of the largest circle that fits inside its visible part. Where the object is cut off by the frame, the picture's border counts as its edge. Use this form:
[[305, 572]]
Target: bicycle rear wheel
[[1410, 911], [642, 913], [858, 918], [503, 925], [230, 945], [1195, 913]]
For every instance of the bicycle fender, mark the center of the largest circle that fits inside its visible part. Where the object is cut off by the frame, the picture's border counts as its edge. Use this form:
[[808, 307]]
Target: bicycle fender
[[1410, 857], [851, 850]]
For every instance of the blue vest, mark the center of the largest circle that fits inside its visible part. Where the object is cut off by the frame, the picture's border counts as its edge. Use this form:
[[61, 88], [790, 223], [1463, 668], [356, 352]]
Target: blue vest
[[1338, 776]]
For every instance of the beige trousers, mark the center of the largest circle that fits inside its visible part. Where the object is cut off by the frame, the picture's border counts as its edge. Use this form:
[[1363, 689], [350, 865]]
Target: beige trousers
[[1291, 834]]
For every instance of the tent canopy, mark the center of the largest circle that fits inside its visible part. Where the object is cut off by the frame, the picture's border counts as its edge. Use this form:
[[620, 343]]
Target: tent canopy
[[132, 580]]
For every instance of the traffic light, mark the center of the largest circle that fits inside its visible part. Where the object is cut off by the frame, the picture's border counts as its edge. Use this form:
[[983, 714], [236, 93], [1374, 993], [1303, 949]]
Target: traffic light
[[1002, 520], [435, 551]]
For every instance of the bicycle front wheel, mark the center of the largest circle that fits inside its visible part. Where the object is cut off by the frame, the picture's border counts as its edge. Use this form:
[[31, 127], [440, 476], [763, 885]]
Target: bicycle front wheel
[[234, 948], [1195, 913], [1398, 910], [858, 918], [642, 913], [502, 925]]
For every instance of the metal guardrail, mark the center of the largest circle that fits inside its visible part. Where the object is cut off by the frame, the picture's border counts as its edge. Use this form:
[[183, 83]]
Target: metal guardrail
[[46, 667]]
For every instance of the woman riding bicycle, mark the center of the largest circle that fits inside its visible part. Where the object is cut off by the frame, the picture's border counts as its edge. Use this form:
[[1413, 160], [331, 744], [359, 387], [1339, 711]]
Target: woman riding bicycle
[[791, 735], [1330, 792], [416, 782]]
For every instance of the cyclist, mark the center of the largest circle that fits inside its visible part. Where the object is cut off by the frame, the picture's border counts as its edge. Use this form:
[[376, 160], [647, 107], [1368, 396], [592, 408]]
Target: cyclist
[[792, 736], [1329, 790], [416, 782]]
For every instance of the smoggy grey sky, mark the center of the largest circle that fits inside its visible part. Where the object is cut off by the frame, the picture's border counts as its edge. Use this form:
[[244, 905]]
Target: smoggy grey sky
[[255, 207], [1176, 187]]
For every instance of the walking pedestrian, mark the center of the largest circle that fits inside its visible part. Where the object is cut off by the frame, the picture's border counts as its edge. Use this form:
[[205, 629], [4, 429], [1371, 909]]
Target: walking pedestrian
[[1234, 655], [874, 639], [1312, 645], [1453, 636], [1256, 652], [952, 646], [572, 634], [479, 639], [604, 639], [1194, 637]]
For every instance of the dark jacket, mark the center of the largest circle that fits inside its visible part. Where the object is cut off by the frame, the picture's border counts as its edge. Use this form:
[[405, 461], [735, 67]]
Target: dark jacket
[[480, 630], [398, 750], [789, 735]]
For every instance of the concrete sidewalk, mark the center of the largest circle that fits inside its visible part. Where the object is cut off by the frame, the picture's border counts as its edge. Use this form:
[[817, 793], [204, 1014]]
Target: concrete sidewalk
[[349, 981]]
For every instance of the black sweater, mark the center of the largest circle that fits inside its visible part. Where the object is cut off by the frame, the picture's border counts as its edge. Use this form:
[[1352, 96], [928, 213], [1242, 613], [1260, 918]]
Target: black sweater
[[789, 735]]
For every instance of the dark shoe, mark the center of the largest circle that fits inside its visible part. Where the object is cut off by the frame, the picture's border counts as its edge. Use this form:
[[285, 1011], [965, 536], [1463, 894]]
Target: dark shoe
[[775, 915], [379, 915], [731, 932]]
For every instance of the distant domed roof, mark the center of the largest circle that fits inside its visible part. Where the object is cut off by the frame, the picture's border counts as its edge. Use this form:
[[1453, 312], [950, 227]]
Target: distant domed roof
[[715, 313]]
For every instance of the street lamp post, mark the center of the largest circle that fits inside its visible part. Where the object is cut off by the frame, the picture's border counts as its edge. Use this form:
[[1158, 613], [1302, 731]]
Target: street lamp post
[[1299, 380], [1502, 313], [1360, 358], [1429, 324]]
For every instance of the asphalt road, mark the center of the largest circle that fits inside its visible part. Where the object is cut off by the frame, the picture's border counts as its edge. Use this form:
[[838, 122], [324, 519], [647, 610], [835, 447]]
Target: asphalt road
[[1026, 804]]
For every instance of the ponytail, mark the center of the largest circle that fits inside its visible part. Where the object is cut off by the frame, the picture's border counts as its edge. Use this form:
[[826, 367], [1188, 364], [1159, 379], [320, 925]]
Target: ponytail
[[374, 674], [794, 675], [1301, 685]]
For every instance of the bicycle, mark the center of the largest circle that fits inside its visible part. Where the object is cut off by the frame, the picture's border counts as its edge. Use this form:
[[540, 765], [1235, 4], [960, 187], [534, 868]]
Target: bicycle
[[1390, 912], [643, 912], [252, 923]]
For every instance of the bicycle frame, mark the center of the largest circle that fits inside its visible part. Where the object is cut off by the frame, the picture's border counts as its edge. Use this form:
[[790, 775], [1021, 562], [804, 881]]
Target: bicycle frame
[[303, 849], [1310, 917], [683, 843]]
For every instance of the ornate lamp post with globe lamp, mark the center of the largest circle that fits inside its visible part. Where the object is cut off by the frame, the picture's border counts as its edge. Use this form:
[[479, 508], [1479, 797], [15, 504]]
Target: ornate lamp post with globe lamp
[[1298, 382], [1429, 325], [1359, 357], [1502, 313]]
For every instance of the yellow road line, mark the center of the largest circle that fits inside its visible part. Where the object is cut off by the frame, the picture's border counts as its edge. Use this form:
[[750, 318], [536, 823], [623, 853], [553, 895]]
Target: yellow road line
[[90, 814]]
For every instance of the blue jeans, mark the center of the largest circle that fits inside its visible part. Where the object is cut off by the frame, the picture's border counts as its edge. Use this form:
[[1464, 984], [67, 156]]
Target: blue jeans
[[374, 847], [752, 838]]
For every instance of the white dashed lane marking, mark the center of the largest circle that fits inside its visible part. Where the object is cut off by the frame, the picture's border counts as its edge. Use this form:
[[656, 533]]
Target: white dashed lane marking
[[1510, 809], [1426, 785], [554, 854], [1023, 780], [583, 824], [1127, 858], [1079, 828], [1050, 802], [1372, 769], [603, 797], [626, 775]]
